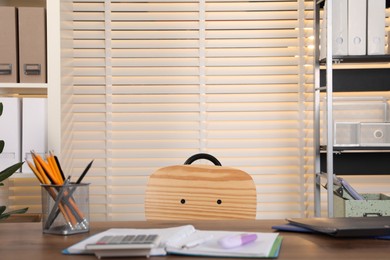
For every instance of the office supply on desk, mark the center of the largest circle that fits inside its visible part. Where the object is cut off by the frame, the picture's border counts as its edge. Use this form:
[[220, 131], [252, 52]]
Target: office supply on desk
[[124, 245], [237, 240], [198, 241], [84, 172], [346, 227], [288, 227], [33, 245], [60, 196], [72, 201], [174, 240]]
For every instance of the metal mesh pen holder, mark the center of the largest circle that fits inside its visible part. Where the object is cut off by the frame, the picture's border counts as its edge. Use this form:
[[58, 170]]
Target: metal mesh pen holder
[[65, 208]]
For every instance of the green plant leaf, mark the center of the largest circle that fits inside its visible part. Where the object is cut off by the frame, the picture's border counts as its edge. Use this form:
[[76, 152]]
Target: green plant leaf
[[2, 209], [2, 144], [9, 171], [18, 211], [1, 108]]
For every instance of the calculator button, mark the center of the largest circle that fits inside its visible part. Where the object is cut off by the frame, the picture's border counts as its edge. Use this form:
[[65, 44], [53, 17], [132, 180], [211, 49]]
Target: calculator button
[[128, 239], [116, 239], [139, 239], [104, 240], [151, 238]]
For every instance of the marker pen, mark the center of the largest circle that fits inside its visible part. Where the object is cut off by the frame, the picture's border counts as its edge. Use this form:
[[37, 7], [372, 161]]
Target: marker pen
[[237, 240]]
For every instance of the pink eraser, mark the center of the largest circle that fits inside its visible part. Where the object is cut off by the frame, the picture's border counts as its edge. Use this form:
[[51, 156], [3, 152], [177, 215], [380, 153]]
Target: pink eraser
[[237, 240]]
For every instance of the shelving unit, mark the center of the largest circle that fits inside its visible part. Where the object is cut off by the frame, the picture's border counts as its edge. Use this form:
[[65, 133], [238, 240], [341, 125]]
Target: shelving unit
[[344, 160], [51, 89], [9, 89]]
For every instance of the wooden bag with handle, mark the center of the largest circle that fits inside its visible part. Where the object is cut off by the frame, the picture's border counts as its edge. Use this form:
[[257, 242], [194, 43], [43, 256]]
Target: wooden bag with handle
[[197, 191]]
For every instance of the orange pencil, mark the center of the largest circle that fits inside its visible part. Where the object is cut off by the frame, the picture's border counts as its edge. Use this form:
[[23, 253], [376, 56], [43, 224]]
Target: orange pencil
[[41, 171], [44, 180], [51, 162], [35, 171], [47, 169]]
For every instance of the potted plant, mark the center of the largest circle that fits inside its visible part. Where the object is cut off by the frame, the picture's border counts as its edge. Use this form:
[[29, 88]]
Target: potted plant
[[4, 175]]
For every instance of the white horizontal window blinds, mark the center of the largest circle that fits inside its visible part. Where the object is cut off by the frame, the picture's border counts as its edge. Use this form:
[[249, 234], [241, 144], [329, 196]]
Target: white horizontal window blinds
[[86, 107], [155, 95], [23, 192], [252, 97], [157, 81]]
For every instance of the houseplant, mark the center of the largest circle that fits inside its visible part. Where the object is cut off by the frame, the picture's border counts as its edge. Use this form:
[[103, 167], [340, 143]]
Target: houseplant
[[4, 175]]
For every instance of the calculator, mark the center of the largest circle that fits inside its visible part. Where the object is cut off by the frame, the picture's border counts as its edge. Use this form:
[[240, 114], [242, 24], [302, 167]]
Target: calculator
[[124, 245]]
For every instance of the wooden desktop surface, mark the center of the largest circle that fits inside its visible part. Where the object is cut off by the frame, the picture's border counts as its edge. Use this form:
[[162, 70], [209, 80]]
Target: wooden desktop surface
[[26, 241]]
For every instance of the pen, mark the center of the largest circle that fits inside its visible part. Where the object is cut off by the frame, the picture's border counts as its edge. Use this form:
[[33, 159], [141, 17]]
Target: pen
[[198, 242]]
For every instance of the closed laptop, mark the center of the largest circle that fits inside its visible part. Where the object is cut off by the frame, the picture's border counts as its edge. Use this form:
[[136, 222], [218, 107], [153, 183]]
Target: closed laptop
[[346, 227]]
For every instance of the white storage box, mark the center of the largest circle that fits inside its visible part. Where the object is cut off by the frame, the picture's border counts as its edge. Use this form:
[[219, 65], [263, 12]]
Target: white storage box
[[346, 134], [375, 134], [349, 111], [377, 204], [362, 134]]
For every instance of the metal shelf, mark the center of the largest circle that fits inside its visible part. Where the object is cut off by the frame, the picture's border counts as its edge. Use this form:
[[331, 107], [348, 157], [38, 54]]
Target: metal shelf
[[358, 59], [357, 149], [344, 74]]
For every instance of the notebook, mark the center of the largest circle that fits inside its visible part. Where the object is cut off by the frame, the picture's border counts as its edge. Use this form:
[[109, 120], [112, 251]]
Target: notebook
[[346, 227], [173, 241]]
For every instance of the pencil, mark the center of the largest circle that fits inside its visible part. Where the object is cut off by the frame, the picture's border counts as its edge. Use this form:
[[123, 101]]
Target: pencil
[[55, 171], [46, 168], [35, 171], [50, 172], [46, 180], [59, 167], [84, 173]]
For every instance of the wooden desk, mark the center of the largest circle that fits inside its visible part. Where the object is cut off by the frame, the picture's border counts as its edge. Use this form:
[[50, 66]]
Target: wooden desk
[[26, 241]]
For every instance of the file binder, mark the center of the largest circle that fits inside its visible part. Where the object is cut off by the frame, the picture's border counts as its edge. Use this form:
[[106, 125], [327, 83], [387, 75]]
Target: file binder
[[34, 133], [8, 43], [10, 132], [339, 29], [376, 27], [32, 44], [357, 25]]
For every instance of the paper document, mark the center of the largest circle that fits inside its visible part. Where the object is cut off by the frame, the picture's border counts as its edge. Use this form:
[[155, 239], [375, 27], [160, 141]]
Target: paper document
[[186, 240]]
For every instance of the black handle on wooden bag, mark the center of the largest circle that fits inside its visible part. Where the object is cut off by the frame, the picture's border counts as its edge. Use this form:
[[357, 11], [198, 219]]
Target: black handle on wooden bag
[[206, 156]]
